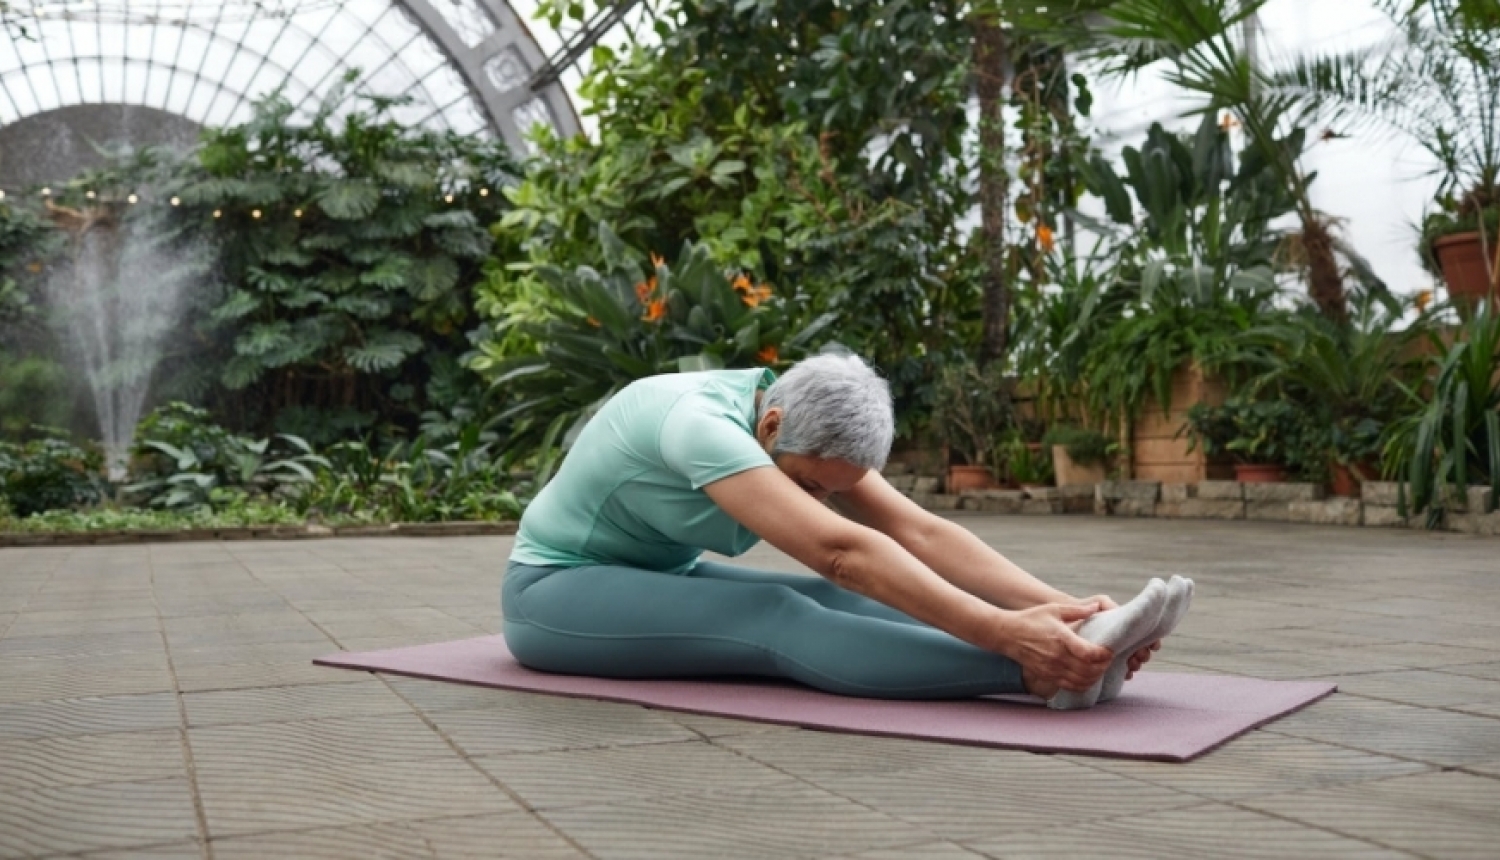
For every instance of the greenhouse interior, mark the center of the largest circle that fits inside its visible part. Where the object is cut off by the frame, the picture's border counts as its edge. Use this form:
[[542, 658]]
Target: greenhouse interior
[[1205, 286]]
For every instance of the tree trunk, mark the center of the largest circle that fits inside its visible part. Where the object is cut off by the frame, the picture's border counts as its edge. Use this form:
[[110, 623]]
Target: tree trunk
[[1324, 283], [994, 185]]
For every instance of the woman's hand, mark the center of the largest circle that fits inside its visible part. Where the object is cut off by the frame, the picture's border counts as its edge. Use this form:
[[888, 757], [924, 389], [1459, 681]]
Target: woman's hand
[[1052, 656]]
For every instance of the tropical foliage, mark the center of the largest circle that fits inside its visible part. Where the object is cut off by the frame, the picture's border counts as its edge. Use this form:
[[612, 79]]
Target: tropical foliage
[[347, 248]]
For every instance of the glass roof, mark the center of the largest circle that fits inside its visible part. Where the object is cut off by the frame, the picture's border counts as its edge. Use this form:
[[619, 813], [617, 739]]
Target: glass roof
[[207, 60]]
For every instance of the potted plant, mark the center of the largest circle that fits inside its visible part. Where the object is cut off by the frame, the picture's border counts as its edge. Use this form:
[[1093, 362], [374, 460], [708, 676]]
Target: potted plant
[[1452, 440], [1258, 434], [1439, 84], [1079, 455], [1024, 464], [972, 409]]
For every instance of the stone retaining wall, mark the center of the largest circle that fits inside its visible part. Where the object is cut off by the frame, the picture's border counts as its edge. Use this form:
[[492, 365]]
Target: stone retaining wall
[[1216, 500]]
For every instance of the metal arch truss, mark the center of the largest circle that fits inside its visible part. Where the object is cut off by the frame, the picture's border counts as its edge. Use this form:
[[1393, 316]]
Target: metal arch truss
[[498, 70], [137, 52]]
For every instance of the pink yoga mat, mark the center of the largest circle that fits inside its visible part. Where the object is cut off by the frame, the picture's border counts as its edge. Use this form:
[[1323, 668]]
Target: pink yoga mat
[[1162, 716]]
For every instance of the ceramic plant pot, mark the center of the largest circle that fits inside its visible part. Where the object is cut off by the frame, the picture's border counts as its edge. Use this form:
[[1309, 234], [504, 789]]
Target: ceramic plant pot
[[1461, 257], [962, 478], [1259, 473]]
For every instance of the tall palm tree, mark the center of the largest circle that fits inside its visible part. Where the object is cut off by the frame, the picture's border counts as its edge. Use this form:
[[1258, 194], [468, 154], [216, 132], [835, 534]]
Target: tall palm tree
[[1435, 81], [1195, 42]]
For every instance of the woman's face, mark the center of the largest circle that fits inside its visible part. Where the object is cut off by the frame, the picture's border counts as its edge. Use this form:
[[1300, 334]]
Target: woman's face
[[820, 478]]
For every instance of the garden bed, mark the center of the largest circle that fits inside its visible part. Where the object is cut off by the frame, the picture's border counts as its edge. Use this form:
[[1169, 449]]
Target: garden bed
[[262, 532]]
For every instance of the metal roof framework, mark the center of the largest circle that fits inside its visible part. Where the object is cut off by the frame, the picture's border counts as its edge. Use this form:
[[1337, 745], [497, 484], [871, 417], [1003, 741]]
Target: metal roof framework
[[465, 65]]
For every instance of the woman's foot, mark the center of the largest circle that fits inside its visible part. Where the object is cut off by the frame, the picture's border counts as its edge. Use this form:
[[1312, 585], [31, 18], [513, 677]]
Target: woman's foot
[[1179, 598], [1122, 631]]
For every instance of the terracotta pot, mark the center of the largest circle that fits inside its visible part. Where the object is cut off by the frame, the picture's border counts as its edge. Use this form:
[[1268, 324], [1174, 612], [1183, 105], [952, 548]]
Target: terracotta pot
[[962, 478], [1259, 473], [1070, 473], [1346, 480], [1461, 258]]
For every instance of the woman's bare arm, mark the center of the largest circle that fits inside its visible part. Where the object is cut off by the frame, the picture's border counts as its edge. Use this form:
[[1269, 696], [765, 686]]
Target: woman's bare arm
[[950, 550], [866, 561]]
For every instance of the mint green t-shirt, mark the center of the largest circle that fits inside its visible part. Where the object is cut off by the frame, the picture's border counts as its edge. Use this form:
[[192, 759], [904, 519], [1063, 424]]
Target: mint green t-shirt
[[631, 489]]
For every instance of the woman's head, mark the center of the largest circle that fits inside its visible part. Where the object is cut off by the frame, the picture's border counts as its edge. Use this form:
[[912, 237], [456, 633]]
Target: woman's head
[[830, 408]]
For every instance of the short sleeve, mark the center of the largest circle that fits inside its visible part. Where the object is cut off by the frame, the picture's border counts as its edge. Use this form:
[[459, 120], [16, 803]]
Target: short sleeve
[[705, 444]]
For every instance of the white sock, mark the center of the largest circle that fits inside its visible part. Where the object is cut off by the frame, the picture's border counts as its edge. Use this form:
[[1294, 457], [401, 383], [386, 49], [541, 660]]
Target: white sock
[[1179, 598], [1120, 630]]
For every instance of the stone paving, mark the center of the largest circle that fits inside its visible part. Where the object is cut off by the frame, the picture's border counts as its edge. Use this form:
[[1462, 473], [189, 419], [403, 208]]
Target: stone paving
[[158, 701]]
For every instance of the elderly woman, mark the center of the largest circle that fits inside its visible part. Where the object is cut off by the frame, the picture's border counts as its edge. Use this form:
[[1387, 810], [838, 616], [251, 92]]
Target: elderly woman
[[606, 578]]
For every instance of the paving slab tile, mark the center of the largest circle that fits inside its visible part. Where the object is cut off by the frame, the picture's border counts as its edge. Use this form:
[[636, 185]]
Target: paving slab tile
[[37, 679], [722, 727], [1260, 763], [87, 716], [438, 696], [548, 723], [1423, 688], [83, 759], [171, 851], [285, 704], [368, 842], [93, 644], [312, 743], [966, 801], [31, 624], [1404, 731], [813, 755], [1489, 670], [1213, 830], [786, 820], [555, 780], [1450, 815], [929, 851], [241, 676], [269, 652], [255, 798], [507, 836], [78, 818]]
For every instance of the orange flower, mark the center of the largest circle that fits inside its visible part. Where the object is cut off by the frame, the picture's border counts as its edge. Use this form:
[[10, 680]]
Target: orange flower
[[1423, 299], [767, 355], [753, 296], [1044, 238], [742, 284], [644, 289], [655, 310], [657, 262]]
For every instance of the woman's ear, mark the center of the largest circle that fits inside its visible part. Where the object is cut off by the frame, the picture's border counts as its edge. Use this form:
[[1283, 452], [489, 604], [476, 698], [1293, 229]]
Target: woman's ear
[[768, 427]]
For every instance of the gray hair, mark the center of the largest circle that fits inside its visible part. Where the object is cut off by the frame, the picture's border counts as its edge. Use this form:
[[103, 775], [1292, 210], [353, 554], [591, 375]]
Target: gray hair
[[836, 408]]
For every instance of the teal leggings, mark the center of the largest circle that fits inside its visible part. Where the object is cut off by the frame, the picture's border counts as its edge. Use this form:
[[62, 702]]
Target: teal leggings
[[623, 622]]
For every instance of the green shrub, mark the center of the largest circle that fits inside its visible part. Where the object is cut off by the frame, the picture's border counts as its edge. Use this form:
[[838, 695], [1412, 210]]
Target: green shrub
[[1084, 446], [50, 473]]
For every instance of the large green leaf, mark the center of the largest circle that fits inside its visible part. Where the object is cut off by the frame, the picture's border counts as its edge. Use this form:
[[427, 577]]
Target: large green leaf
[[349, 199], [382, 350]]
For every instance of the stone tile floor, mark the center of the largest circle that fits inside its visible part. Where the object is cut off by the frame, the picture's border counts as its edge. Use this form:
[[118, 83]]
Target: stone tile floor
[[158, 701]]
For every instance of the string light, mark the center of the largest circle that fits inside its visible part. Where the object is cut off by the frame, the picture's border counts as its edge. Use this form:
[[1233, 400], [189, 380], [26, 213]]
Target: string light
[[254, 213], [89, 195], [46, 192], [133, 199], [447, 198], [176, 201], [218, 213], [484, 192], [296, 213]]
